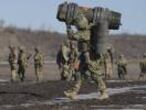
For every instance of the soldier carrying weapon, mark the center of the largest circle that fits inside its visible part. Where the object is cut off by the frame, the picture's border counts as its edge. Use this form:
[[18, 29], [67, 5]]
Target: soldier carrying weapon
[[83, 37], [91, 31]]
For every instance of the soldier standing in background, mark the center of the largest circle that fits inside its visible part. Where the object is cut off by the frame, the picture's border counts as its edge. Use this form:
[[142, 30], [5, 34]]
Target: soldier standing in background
[[38, 64], [22, 63], [122, 67], [142, 65], [13, 63], [108, 63]]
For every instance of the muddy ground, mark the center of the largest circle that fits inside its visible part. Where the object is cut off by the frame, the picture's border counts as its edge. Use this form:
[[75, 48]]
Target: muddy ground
[[48, 95]]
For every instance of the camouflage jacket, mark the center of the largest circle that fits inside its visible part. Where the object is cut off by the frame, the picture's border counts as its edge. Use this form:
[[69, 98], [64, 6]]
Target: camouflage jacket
[[38, 59], [83, 29], [22, 60]]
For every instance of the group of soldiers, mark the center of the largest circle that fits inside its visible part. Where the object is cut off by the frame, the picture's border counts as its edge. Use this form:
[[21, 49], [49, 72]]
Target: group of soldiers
[[70, 53], [122, 64], [75, 62], [19, 62], [110, 62], [75, 59], [83, 53], [76, 65]]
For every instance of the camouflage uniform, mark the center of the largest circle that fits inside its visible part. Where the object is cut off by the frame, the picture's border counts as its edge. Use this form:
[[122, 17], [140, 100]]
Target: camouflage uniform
[[122, 67], [22, 63], [108, 63], [38, 64], [96, 68], [13, 63], [64, 66], [86, 66], [69, 58], [92, 69], [142, 65], [73, 61]]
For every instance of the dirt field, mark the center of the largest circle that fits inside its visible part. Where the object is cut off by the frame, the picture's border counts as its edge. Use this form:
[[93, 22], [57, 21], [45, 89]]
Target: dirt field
[[48, 95]]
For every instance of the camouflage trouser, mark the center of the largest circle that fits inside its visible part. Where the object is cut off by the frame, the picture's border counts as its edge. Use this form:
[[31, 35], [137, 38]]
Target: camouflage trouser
[[67, 73], [38, 73], [14, 75], [21, 73], [97, 78]]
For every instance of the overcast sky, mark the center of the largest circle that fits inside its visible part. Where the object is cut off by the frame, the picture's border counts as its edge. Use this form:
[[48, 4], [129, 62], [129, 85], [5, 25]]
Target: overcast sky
[[42, 13]]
